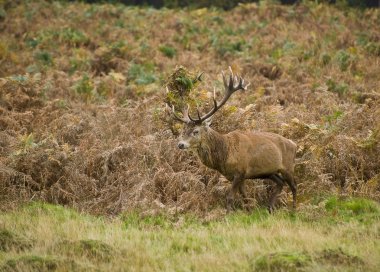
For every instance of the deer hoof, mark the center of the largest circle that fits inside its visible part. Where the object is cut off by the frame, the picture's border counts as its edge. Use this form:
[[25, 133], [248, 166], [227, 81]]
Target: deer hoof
[[270, 209]]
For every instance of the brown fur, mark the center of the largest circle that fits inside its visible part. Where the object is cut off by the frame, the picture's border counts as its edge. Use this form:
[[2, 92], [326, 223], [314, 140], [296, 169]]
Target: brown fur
[[245, 155]]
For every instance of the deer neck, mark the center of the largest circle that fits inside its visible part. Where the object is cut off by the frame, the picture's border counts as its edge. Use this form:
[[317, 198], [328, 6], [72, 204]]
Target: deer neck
[[213, 150]]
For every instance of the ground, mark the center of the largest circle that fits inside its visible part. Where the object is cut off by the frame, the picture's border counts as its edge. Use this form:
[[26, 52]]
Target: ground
[[332, 235]]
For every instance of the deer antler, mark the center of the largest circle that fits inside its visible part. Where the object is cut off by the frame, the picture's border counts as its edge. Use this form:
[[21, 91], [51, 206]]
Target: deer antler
[[233, 84], [185, 114]]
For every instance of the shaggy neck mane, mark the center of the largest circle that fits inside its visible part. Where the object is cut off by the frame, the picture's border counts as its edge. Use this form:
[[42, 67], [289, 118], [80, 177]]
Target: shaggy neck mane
[[213, 150]]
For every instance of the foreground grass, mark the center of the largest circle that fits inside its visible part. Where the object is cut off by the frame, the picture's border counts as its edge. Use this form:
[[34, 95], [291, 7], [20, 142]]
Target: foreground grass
[[336, 235]]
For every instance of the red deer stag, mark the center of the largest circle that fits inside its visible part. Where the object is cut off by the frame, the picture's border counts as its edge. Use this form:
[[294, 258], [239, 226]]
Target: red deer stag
[[239, 155]]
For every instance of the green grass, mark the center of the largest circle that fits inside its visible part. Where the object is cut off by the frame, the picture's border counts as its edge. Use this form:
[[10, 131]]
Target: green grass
[[341, 235]]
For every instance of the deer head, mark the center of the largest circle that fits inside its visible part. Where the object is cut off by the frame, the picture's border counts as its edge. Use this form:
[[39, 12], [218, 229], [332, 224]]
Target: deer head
[[195, 128]]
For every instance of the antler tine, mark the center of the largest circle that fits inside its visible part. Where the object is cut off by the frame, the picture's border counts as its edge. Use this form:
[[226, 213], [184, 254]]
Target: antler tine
[[187, 113], [233, 84], [199, 115], [179, 118]]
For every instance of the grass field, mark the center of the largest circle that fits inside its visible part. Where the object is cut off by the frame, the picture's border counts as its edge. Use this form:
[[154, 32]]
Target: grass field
[[333, 235]]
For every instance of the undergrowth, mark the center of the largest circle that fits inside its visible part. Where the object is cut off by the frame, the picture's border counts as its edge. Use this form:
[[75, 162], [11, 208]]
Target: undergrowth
[[83, 91]]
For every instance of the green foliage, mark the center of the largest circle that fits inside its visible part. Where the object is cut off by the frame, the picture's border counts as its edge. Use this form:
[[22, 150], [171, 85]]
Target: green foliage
[[335, 87], [31, 42], [72, 36], [50, 38], [142, 74], [354, 205], [44, 58], [344, 60], [225, 47], [185, 81], [78, 64], [84, 86], [282, 261], [277, 53], [168, 51], [332, 118], [325, 59], [20, 78], [373, 48], [3, 13]]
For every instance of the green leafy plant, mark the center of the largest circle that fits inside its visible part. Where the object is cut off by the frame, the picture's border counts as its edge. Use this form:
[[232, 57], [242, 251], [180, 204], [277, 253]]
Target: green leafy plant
[[168, 51], [335, 87], [44, 58], [344, 60], [141, 74]]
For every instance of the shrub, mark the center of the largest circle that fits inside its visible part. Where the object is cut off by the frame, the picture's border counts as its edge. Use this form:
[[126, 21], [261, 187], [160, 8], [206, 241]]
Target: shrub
[[168, 51], [141, 74]]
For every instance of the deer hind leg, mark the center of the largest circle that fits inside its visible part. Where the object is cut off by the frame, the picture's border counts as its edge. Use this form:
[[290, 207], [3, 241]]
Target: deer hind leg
[[236, 185], [244, 194], [279, 185], [289, 179]]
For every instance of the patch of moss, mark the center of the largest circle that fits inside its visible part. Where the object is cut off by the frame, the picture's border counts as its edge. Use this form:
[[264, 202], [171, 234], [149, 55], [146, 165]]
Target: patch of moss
[[282, 261], [11, 241]]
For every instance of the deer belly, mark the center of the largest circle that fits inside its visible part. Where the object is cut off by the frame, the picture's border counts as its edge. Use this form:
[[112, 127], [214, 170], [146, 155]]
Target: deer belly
[[262, 167]]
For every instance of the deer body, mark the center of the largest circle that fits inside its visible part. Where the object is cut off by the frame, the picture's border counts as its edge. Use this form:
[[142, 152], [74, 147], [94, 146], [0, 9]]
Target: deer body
[[240, 155]]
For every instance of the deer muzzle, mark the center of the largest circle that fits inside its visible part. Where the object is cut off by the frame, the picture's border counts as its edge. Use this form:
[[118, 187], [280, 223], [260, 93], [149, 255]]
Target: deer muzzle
[[183, 145]]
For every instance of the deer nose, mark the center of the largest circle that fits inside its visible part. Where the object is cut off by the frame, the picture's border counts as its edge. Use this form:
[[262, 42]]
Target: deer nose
[[181, 146]]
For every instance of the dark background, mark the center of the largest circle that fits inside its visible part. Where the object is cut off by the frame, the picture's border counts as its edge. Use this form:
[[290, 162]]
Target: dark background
[[225, 4]]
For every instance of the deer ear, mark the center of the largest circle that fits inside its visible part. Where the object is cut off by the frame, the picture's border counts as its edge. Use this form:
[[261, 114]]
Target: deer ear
[[208, 122]]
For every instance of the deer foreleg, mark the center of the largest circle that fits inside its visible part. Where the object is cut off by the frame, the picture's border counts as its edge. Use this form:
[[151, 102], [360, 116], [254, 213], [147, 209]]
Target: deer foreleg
[[236, 185]]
